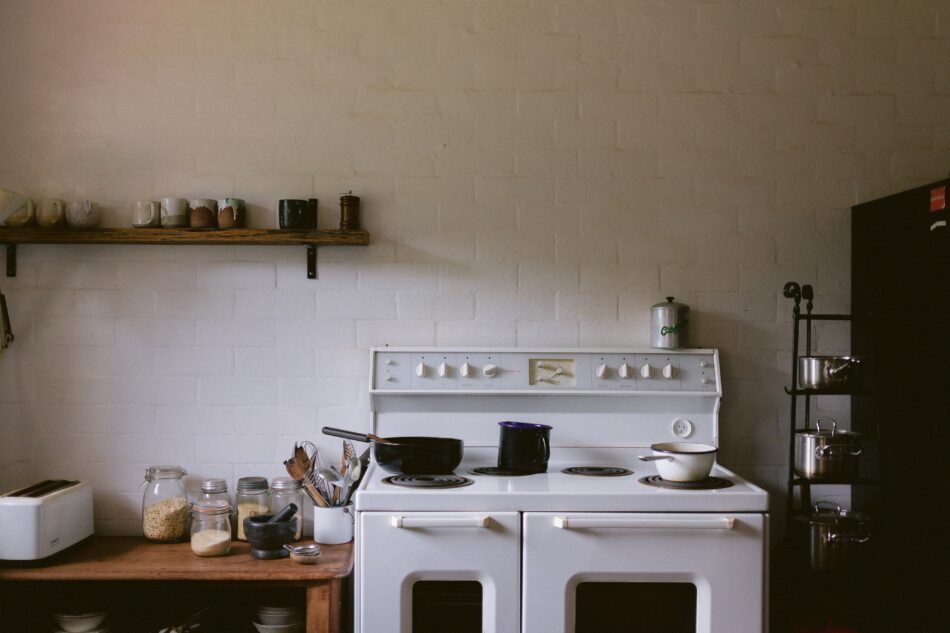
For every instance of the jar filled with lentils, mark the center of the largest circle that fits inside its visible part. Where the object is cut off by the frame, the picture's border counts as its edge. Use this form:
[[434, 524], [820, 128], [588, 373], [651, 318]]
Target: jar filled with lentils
[[165, 504], [253, 499]]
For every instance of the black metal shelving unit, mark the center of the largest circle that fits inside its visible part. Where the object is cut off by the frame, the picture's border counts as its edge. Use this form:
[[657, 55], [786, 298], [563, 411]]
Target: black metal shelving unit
[[798, 294]]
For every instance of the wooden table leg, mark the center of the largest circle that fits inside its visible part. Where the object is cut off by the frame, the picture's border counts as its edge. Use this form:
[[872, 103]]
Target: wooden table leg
[[323, 607]]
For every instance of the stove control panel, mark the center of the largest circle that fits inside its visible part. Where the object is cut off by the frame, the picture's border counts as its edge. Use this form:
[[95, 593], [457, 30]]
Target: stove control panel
[[516, 370]]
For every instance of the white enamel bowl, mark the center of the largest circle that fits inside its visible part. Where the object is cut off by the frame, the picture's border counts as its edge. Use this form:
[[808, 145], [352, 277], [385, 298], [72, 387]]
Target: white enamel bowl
[[682, 461]]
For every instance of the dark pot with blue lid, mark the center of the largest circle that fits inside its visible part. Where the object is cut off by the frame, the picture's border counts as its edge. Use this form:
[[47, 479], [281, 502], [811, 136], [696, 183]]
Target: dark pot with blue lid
[[524, 446]]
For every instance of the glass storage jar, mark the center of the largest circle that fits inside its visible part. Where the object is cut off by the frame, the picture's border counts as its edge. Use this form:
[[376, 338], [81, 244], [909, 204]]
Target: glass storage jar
[[252, 499], [164, 504], [217, 489], [211, 527], [286, 490]]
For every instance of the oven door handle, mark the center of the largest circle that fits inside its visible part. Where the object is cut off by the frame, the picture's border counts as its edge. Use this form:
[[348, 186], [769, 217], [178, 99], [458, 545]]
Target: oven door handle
[[712, 523], [477, 521]]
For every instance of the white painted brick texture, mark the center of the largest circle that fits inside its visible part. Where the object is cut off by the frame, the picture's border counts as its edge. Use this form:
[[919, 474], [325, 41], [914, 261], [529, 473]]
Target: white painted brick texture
[[532, 173]]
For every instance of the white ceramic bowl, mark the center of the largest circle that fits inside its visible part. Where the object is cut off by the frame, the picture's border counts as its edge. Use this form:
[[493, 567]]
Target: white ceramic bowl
[[682, 461], [297, 627], [80, 622]]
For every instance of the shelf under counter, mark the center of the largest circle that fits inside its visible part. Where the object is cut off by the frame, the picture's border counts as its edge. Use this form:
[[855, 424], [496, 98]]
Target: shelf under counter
[[125, 558]]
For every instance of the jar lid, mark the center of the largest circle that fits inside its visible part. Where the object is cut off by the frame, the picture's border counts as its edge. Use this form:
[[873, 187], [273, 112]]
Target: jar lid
[[252, 484], [214, 486], [211, 506], [164, 471], [349, 198], [285, 483], [669, 303]]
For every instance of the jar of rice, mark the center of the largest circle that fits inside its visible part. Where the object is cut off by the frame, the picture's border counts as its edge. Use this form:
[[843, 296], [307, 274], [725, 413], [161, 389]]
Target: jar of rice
[[165, 504]]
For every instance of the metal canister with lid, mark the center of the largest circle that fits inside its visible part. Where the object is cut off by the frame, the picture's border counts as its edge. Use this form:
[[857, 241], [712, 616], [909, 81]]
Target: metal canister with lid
[[669, 325], [349, 211], [253, 499]]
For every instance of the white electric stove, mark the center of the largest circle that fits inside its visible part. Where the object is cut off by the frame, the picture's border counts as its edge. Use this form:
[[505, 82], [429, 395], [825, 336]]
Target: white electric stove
[[556, 551]]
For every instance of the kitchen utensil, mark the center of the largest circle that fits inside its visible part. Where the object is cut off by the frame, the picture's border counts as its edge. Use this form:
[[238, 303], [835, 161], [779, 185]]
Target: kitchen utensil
[[303, 554], [836, 536], [682, 461], [296, 470], [827, 453], [268, 539], [827, 373], [669, 325], [524, 446], [354, 469], [284, 514], [410, 455], [331, 479]]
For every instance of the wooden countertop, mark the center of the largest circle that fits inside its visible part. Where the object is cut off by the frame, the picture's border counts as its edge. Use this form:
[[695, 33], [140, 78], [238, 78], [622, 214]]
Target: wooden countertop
[[134, 558]]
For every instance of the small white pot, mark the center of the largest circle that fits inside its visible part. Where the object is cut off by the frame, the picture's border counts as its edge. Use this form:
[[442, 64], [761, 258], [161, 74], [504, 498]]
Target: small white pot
[[682, 461]]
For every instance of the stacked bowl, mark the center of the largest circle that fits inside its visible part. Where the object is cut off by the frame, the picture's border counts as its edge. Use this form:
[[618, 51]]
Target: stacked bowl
[[273, 619], [91, 622]]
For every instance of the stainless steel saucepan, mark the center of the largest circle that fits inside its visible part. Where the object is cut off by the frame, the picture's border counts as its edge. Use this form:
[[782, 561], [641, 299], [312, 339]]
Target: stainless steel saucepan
[[827, 373], [827, 453]]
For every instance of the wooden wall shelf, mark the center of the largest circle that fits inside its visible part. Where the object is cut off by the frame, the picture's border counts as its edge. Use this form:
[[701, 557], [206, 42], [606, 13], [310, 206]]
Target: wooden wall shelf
[[273, 237]]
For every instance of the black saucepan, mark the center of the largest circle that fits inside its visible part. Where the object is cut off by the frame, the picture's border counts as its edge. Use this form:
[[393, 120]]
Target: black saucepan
[[409, 455]]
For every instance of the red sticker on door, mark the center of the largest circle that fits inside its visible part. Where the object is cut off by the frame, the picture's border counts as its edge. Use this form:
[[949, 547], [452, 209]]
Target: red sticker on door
[[938, 199]]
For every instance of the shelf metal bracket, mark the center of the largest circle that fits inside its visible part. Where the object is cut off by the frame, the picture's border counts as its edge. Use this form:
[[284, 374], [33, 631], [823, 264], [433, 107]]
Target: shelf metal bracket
[[11, 260], [311, 261]]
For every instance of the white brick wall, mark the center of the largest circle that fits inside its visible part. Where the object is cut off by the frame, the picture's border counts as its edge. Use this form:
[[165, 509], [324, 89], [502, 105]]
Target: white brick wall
[[533, 173]]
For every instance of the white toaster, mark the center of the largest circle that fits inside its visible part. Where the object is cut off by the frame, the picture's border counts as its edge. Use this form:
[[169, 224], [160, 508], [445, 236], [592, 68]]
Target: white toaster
[[45, 518]]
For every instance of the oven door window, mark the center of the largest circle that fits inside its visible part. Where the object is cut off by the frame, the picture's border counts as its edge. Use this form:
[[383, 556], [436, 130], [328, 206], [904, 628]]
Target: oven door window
[[635, 607], [441, 604]]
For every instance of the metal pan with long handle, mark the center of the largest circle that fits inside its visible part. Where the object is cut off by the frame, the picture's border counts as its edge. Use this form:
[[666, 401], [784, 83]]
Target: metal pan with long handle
[[409, 455]]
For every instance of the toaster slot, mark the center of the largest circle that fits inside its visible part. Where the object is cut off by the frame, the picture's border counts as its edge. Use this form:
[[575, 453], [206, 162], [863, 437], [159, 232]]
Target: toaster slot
[[43, 488]]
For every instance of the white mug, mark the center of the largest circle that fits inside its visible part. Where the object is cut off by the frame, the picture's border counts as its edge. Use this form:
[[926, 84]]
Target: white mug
[[174, 213], [146, 214], [16, 210], [49, 213], [82, 214], [332, 526]]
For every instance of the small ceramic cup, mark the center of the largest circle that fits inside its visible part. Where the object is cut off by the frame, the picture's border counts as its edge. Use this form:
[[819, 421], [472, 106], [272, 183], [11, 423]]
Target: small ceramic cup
[[16, 210], [50, 213], [146, 214], [297, 214], [332, 526], [83, 214], [203, 213], [174, 213], [231, 214]]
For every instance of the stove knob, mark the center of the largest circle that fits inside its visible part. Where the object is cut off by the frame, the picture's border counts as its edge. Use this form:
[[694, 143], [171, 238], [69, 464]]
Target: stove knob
[[646, 371], [443, 370], [705, 380], [389, 378], [421, 370], [490, 370], [465, 370], [388, 361], [601, 370], [703, 364], [668, 370], [624, 371]]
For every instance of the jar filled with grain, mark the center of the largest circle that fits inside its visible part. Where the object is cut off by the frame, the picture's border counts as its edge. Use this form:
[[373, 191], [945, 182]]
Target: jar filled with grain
[[165, 504], [286, 490], [211, 527], [253, 499], [217, 490]]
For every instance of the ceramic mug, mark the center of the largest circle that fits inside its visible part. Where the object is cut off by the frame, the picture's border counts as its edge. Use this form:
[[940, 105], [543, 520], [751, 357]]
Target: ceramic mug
[[231, 214], [83, 214], [16, 210], [203, 213], [297, 214], [334, 525], [50, 213], [146, 214], [174, 213]]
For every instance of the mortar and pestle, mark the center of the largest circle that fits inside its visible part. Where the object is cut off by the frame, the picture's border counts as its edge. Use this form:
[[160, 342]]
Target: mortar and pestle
[[268, 533]]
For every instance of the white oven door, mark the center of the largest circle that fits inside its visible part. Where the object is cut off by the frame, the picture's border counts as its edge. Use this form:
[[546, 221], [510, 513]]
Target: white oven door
[[636, 573], [432, 572]]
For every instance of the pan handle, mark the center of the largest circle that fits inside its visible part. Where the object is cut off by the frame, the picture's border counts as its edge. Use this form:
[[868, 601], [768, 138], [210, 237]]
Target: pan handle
[[350, 435], [655, 458]]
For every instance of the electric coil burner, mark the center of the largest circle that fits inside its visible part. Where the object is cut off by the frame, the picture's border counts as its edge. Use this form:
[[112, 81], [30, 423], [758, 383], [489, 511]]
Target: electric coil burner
[[429, 481], [555, 552], [495, 471], [597, 471], [709, 483]]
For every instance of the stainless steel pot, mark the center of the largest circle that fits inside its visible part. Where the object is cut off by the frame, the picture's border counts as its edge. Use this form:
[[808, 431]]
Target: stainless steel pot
[[827, 373], [669, 325], [827, 453], [836, 536]]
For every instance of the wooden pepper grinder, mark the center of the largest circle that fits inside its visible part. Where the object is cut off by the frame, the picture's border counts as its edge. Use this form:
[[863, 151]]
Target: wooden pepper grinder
[[349, 211]]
